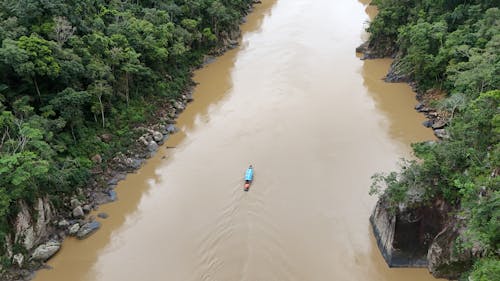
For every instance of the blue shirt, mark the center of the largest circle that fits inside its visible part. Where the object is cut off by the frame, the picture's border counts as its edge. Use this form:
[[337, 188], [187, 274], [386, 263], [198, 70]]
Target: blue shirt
[[249, 174]]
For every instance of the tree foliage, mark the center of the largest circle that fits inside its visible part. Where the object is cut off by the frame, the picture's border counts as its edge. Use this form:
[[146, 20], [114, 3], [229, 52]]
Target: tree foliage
[[452, 45]]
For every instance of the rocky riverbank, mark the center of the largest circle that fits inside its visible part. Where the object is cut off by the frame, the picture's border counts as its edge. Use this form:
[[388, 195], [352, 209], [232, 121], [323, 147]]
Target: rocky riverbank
[[41, 230], [437, 119], [414, 234], [38, 231]]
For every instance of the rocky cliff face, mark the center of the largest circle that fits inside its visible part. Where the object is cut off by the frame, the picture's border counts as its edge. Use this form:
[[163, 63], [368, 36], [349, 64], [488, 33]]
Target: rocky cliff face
[[423, 236], [32, 226]]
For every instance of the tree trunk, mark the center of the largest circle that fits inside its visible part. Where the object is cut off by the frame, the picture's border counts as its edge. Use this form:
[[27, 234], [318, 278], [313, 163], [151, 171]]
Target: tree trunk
[[126, 88], [102, 110], [36, 87]]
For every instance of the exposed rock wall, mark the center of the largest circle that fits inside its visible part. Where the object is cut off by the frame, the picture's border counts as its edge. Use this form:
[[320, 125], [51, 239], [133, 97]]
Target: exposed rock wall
[[422, 236], [383, 225]]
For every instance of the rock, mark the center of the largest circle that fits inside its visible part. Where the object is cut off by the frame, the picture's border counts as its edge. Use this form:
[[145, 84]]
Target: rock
[[96, 159], [24, 231], [87, 229], [171, 129], [157, 136], [427, 123], [75, 203], [112, 195], [118, 177], [86, 208], [74, 229], [136, 164], [419, 106], [143, 140], [63, 223], [441, 133], [106, 137], [45, 251], [362, 48], [444, 261], [383, 225], [103, 215], [439, 124], [152, 146], [8, 246], [18, 259], [78, 212], [179, 106]]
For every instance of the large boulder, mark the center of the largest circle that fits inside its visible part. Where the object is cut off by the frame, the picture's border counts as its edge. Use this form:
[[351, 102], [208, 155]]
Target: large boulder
[[45, 251], [73, 230], [157, 136], [88, 229], [78, 212], [445, 261], [32, 229], [152, 146]]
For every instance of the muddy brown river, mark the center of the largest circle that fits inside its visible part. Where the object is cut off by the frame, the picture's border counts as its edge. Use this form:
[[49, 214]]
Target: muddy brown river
[[316, 122]]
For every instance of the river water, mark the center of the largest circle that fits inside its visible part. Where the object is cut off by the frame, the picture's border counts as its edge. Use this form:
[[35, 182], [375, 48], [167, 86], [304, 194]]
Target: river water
[[316, 122]]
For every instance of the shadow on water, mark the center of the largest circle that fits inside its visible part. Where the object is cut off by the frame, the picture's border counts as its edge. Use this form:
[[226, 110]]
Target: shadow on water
[[394, 100]]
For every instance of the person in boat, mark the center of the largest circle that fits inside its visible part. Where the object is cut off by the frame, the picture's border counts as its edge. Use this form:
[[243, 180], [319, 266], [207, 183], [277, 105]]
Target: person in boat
[[248, 177]]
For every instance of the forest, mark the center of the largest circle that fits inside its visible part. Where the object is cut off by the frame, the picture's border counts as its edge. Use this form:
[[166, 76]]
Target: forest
[[451, 46], [71, 71]]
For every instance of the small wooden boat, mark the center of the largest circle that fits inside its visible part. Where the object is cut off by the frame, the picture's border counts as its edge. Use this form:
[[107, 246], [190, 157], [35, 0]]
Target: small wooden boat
[[248, 178]]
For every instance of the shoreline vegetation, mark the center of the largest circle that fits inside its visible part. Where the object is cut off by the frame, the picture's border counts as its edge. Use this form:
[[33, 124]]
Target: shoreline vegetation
[[442, 211], [88, 91]]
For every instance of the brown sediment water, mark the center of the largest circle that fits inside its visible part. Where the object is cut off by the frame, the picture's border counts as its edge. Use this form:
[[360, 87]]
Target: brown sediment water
[[316, 122]]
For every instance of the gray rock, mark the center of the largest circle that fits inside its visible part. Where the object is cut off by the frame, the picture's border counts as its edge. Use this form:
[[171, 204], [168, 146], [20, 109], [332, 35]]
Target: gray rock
[[112, 195], [441, 133], [103, 215], [157, 136], [427, 123], [171, 129], [75, 203], [63, 223], [45, 251], [18, 259], [86, 208], [152, 146], [439, 124], [136, 163], [88, 229], [74, 229], [179, 105], [120, 177], [444, 262], [78, 212]]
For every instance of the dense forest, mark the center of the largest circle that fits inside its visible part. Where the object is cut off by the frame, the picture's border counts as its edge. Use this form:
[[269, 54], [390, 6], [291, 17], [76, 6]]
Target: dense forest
[[451, 46], [71, 71]]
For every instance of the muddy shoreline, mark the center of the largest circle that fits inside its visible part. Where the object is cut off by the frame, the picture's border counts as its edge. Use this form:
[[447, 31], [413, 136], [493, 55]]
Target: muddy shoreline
[[73, 218], [436, 120]]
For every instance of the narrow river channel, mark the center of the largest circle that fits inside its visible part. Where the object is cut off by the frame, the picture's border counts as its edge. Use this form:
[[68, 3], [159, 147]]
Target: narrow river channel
[[295, 101]]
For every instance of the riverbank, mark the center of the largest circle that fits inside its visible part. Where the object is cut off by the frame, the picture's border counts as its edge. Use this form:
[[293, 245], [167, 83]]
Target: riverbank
[[42, 229], [438, 211]]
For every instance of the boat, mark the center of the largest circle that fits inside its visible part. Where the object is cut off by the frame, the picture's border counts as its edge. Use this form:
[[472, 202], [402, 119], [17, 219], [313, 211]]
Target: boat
[[248, 178]]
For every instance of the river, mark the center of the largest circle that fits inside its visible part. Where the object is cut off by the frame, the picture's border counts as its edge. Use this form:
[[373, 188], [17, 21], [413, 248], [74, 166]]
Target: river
[[316, 122]]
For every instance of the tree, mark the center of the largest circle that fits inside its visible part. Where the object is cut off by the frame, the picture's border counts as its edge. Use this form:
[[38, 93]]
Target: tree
[[62, 30], [100, 90], [70, 105], [30, 57]]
